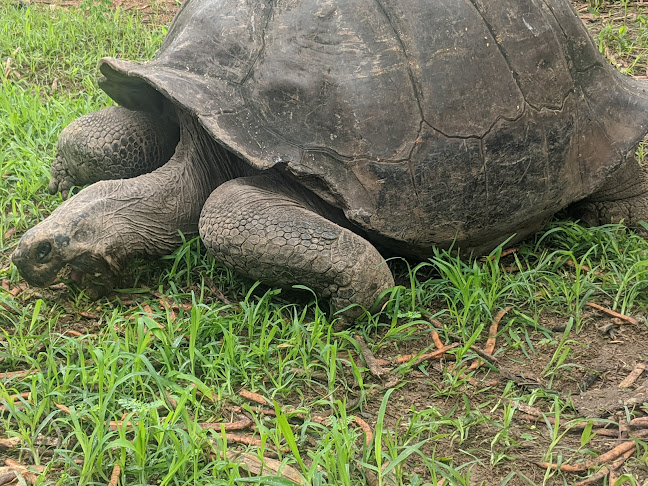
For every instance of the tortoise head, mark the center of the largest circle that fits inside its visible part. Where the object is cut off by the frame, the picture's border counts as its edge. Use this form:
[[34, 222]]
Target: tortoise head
[[74, 234]]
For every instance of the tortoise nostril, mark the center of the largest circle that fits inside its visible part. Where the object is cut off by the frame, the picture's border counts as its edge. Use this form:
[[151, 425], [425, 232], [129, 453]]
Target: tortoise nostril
[[43, 250]]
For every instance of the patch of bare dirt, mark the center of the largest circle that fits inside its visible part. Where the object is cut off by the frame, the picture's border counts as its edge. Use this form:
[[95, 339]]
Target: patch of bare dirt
[[591, 384]]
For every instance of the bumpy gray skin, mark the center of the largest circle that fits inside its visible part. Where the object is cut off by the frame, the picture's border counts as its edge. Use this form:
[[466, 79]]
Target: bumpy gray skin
[[260, 224], [113, 143], [257, 227]]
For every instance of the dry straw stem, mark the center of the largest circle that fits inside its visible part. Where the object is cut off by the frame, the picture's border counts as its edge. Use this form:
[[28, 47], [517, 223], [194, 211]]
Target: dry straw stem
[[114, 477], [253, 397], [257, 466], [366, 429], [612, 313], [632, 377]]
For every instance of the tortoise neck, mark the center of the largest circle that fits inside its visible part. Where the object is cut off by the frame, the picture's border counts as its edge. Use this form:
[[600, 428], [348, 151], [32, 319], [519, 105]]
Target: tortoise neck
[[149, 214]]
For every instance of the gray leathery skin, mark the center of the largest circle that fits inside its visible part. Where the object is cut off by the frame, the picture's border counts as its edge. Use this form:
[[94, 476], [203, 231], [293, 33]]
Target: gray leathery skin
[[110, 222]]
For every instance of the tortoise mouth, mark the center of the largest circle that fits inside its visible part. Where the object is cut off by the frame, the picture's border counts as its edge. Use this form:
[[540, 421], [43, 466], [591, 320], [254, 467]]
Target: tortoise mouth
[[93, 266]]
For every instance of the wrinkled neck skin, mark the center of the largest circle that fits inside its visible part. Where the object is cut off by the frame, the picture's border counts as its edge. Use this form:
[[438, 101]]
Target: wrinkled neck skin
[[109, 223]]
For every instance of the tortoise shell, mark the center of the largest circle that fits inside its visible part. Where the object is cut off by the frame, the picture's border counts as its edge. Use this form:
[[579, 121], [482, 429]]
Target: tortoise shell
[[428, 123]]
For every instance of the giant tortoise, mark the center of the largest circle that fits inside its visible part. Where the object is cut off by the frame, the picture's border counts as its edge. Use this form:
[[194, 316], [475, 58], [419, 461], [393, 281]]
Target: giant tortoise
[[305, 140]]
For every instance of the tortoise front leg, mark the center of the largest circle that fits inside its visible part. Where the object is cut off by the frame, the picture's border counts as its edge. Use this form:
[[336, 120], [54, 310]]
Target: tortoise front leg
[[252, 226], [113, 143]]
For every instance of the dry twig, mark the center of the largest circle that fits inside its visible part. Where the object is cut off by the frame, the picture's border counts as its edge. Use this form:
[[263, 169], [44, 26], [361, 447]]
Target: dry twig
[[72, 332], [632, 377], [639, 423], [437, 340], [17, 469], [216, 291], [7, 375], [251, 441], [10, 443], [492, 337], [244, 423], [612, 313], [254, 397], [257, 466], [504, 253], [438, 354], [596, 478], [585, 268], [627, 447], [366, 429], [492, 332]]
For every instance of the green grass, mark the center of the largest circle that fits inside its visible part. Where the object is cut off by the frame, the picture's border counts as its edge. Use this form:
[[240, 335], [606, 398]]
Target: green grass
[[167, 352]]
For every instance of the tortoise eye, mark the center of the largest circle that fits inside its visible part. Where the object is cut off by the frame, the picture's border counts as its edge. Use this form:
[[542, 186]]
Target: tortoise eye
[[43, 250]]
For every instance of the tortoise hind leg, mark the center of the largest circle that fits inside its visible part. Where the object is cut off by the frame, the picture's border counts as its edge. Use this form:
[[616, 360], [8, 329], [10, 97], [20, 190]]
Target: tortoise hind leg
[[255, 228], [623, 197], [113, 143]]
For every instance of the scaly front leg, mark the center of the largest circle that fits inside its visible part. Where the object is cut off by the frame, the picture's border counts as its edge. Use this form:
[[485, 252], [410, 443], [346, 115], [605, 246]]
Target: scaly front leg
[[114, 143], [263, 229]]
